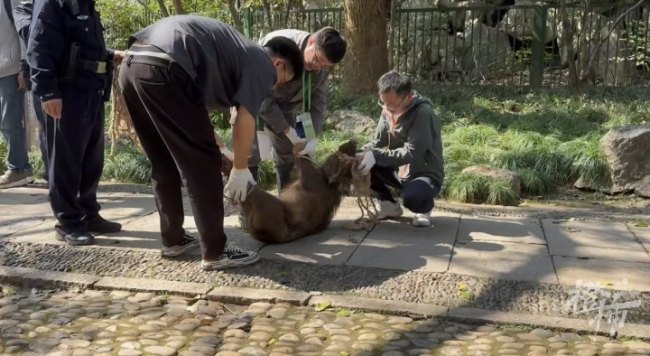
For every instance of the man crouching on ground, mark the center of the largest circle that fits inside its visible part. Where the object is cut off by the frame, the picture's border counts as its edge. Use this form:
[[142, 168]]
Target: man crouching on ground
[[406, 152]]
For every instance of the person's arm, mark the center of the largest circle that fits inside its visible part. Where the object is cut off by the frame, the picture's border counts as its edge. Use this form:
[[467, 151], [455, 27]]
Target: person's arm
[[319, 100], [273, 116], [23, 18], [45, 49], [243, 134], [420, 138]]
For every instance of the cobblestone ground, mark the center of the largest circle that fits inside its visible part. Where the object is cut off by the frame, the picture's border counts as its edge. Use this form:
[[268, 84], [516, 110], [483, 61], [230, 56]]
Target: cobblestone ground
[[122, 323]]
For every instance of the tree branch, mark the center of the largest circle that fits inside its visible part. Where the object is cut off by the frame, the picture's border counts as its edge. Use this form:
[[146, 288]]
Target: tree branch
[[234, 13], [602, 40], [163, 8]]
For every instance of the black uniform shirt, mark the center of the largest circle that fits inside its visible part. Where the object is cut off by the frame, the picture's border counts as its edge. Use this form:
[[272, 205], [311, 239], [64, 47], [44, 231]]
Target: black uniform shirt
[[53, 28], [229, 69]]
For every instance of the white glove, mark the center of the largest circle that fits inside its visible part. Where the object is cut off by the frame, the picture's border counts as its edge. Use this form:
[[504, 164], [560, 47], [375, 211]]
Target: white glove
[[309, 149], [237, 186], [228, 153], [367, 161], [292, 135]]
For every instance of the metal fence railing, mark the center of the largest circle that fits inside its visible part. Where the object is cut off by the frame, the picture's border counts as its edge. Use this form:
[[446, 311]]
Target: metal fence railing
[[521, 45]]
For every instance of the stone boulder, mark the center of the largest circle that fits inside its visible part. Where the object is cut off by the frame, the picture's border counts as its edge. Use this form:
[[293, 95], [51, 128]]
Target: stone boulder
[[626, 149], [490, 49], [352, 121], [519, 22], [511, 178]]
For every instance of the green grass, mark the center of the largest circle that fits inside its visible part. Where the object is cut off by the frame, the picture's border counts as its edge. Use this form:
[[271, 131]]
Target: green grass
[[472, 188], [3, 155], [549, 137], [128, 165]]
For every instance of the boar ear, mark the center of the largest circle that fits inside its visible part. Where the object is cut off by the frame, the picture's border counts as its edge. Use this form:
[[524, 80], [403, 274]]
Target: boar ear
[[349, 148]]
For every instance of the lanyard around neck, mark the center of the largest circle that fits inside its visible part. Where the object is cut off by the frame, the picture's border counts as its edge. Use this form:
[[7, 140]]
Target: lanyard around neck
[[306, 91]]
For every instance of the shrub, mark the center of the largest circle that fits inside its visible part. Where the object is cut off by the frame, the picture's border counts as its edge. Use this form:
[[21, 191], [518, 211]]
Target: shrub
[[472, 188], [128, 165]]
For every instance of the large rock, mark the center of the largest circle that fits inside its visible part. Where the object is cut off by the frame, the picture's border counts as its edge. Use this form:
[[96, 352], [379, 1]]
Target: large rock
[[626, 149], [519, 22], [490, 49], [512, 178], [352, 121]]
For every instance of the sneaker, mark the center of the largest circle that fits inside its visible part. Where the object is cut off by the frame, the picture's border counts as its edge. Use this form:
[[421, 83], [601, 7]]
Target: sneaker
[[189, 242], [387, 209], [232, 257], [99, 225], [12, 179], [243, 222], [422, 220], [83, 238]]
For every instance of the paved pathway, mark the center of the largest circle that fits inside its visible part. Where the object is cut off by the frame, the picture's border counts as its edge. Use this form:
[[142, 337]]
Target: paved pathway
[[508, 260], [40, 322], [556, 251]]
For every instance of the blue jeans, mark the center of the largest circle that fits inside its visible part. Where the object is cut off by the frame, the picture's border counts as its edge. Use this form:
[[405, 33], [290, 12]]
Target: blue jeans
[[11, 123]]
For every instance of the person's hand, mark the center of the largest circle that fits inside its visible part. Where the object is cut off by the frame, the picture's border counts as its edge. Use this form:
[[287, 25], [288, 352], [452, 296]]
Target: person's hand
[[118, 56], [367, 161], [53, 108], [310, 148], [292, 135], [22, 81], [237, 186]]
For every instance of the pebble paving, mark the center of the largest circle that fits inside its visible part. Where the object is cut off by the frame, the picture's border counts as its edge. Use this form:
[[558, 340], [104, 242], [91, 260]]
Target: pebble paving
[[121, 323]]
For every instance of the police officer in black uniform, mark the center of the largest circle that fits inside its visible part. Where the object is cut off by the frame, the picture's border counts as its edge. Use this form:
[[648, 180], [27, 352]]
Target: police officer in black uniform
[[70, 72]]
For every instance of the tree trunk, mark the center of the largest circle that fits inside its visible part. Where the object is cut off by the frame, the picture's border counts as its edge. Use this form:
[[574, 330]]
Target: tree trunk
[[367, 55], [163, 8], [269, 13], [120, 120], [234, 13], [178, 7], [568, 36]]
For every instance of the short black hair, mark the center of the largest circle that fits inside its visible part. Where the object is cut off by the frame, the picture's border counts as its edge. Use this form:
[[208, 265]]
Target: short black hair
[[394, 81], [289, 51], [332, 43]]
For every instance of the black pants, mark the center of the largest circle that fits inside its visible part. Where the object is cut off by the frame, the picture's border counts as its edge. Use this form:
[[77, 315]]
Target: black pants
[[175, 131], [417, 194], [76, 157]]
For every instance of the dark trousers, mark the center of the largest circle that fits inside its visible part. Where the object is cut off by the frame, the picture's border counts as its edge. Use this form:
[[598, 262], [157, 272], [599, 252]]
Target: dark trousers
[[417, 194], [175, 131], [77, 157]]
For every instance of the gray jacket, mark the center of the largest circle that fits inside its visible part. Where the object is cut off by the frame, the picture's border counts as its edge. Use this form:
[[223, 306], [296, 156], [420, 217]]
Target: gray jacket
[[279, 110], [11, 49], [415, 142]]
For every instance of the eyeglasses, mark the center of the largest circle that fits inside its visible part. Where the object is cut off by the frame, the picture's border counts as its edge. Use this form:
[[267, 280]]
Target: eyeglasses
[[320, 58], [392, 110]]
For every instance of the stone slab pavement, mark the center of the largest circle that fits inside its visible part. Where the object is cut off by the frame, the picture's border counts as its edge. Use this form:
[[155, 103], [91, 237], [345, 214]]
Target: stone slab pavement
[[555, 251]]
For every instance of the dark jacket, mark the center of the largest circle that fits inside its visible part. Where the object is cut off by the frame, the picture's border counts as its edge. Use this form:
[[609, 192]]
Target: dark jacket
[[55, 26], [415, 142]]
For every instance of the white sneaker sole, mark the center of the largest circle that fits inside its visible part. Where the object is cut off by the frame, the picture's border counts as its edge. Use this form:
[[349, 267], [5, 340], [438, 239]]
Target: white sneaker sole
[[18, 183], [228, 263], [178, 250]]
